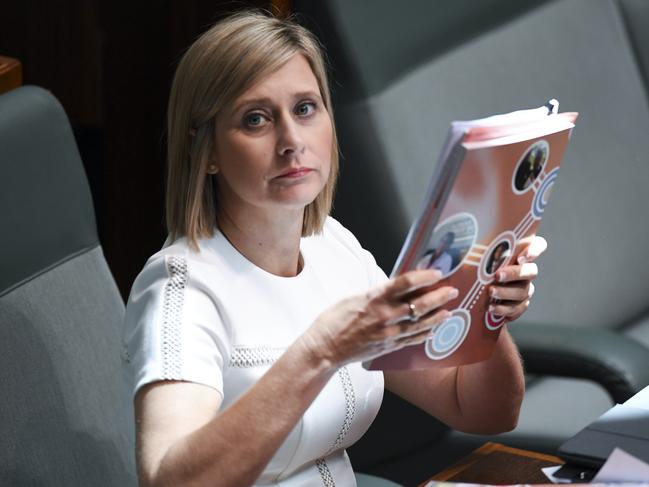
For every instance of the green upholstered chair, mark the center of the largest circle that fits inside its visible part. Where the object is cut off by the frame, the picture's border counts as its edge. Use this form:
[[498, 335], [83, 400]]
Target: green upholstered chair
[[64, 421]]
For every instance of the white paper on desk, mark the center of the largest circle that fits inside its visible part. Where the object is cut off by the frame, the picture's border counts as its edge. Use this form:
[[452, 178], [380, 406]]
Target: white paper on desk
[[622, 467], [640, 400], [549, 473]]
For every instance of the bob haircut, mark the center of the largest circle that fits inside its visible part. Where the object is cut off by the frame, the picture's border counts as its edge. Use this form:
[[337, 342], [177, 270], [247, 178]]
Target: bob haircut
[[219, 66]]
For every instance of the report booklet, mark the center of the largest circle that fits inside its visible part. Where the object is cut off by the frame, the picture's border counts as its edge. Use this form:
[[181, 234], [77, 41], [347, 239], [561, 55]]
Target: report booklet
[[487, 194]]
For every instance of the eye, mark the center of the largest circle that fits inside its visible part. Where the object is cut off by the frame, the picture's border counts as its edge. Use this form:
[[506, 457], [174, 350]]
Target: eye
[[306, 109], [254, 120]]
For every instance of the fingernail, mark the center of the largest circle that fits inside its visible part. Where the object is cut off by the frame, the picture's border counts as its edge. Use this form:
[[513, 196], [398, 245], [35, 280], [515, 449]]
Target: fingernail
[[492, 292], [522, 259], [453, 293], [501, 276], [492, 308]]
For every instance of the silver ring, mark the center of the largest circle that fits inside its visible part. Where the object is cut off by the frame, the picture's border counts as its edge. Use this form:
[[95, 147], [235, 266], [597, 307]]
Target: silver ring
[[414, 316]]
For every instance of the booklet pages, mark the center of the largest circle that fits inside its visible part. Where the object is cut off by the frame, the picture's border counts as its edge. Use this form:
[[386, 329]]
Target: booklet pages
[[486, 196]]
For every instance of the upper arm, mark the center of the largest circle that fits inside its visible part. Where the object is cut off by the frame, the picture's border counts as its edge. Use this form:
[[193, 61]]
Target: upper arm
[[434, 390], [177, 348], [165, 413], [483, 398]]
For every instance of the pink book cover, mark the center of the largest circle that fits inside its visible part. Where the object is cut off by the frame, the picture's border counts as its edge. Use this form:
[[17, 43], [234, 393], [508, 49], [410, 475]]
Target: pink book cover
[[488, 194]]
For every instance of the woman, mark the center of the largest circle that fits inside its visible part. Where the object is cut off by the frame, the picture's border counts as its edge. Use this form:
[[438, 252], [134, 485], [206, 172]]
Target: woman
[[245, 333]]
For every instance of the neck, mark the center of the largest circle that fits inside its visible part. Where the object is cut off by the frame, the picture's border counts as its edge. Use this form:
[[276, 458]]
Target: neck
[[271, 242]]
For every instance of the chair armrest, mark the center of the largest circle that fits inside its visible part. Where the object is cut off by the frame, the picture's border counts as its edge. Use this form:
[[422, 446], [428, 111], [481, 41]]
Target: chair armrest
[[616, 362]]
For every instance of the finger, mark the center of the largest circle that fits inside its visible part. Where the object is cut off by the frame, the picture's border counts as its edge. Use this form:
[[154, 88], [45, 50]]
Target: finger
[[522, 272], [428, 302], [510, 310], [536, 247], [512, 292], [410, 281], [415, 339], [408, 328]]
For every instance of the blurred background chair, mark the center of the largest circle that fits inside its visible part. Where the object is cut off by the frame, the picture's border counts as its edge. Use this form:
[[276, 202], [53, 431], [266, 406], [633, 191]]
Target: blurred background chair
[[402, 72], [64, 421]]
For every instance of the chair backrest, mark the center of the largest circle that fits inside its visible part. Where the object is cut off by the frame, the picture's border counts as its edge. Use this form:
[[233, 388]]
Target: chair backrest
[[412, 69], [65, 420]]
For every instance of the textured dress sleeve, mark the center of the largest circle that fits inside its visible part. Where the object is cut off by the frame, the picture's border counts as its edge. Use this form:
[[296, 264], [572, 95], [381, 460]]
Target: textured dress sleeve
[[173, 329]]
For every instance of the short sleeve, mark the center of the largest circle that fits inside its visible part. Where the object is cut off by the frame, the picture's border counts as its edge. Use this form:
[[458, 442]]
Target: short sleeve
[[172, 328]]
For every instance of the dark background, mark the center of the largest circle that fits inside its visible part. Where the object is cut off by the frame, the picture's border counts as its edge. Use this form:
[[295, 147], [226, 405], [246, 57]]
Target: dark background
[[110, 64]]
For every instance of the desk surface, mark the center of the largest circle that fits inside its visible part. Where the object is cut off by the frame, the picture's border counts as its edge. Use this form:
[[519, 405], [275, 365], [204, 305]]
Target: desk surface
[[494, 463]]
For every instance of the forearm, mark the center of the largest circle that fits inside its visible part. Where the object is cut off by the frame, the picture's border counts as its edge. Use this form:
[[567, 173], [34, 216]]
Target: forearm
[[489, 393], [234, 447], [237, 444]]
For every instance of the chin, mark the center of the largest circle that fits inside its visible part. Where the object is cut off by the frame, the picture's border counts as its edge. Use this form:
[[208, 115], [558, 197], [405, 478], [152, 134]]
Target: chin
[[298, 197]]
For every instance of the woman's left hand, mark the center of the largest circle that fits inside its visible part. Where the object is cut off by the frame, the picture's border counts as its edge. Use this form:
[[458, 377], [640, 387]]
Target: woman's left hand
[[512, 290]]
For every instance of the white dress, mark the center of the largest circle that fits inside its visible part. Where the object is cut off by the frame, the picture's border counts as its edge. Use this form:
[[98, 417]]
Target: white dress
[[214, 318]]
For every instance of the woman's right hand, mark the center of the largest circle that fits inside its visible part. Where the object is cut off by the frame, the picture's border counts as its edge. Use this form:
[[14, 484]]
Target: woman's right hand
[[366, 326]]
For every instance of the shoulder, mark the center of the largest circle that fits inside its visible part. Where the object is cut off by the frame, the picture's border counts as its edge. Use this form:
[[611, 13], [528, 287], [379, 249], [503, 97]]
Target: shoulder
[[175, 274], [339, 247], [335, 242], [175, 260], [334, 233]]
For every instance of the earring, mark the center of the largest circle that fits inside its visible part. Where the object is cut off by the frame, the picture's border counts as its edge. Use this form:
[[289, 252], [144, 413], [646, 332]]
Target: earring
[[212, 169]]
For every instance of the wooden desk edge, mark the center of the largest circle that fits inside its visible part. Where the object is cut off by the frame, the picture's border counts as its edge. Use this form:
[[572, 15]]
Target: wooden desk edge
[[482, 452], [11, 74]]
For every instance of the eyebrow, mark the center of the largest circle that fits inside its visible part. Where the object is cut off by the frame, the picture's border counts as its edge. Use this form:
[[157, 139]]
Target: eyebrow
[[267, 101]]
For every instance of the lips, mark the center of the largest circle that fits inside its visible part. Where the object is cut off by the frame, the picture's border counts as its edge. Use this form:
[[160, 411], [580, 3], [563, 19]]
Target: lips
[[295, 173]]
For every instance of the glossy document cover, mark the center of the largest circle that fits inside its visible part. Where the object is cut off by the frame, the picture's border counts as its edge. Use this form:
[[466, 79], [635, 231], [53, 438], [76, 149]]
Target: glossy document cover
[[489, 191]]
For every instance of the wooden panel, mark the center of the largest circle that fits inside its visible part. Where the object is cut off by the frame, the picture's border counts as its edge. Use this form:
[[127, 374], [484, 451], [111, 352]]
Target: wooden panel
[[11, 74], [494, 463], [143, 42], [59, 46], [110, 64]]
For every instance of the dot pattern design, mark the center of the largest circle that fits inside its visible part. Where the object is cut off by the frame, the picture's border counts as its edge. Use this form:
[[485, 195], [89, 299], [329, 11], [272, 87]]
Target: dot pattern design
[[325, 473], [247, 357], [350, 407], [172, 311]]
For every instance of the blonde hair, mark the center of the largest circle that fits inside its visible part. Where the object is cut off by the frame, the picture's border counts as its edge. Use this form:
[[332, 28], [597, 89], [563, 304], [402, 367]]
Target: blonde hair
[[217, 68]]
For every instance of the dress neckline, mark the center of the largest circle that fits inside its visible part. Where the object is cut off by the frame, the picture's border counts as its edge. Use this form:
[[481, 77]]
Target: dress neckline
[[224, 245]]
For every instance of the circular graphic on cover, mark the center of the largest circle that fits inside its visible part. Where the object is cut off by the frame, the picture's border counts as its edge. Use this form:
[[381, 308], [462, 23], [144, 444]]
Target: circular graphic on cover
[[497, 258], [449, 244], [446, 337], [497, 255], [493, 321], [530, 166], [543, 194]]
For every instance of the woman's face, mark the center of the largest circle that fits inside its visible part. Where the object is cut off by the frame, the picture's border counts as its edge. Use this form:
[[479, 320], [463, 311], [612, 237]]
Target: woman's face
[[274, 144]]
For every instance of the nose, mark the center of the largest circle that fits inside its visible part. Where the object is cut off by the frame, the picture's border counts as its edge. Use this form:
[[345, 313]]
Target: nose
[[290, 141]]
